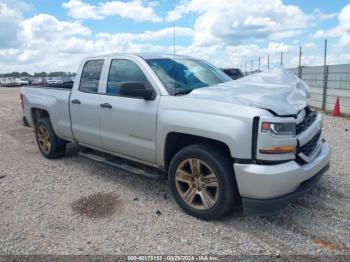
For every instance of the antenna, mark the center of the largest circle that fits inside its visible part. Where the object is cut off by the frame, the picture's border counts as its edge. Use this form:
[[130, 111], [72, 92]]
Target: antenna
[[174, 63], [174, 41]]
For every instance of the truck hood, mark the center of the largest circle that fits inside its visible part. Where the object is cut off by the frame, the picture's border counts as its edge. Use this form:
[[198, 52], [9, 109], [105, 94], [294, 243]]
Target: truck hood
[[277, 90]]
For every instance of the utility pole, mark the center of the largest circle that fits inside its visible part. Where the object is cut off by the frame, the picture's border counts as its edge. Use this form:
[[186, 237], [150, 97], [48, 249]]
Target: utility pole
[[281, 58], [259, 63], [268, 62], [299, 73], [245, 69], [251, 66], [325, 52], [325, 77]]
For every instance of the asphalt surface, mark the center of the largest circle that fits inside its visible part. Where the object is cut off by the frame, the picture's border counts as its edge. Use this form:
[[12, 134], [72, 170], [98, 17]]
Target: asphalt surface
[[75, 206]]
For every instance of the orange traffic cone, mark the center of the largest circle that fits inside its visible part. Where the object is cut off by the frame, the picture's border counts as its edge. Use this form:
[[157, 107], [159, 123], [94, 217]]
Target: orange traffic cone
[[336, 109]]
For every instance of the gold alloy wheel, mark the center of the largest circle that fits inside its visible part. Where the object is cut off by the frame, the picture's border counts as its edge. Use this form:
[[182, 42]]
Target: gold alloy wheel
[[44, 139], [197, 184]]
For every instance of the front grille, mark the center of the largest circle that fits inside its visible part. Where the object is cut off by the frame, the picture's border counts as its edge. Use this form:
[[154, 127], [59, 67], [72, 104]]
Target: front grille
[[310, 146], [308, 120]]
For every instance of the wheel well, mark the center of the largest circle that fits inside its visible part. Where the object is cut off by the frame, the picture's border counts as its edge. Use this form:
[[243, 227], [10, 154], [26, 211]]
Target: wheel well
[[176, 141], [38, 113]]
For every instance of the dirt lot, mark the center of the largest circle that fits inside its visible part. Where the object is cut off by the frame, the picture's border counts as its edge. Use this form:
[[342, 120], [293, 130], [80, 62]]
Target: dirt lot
[[49, 206]]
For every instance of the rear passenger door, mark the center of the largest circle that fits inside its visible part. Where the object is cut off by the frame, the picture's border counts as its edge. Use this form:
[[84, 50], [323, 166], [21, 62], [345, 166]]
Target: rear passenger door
[[128, 125], [85, 105]]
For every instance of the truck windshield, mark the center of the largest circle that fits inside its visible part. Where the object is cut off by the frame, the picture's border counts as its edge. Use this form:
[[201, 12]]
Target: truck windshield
[[182, 75]]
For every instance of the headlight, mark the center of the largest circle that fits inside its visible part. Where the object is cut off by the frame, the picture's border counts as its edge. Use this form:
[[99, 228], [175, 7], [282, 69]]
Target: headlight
[[278, 128]]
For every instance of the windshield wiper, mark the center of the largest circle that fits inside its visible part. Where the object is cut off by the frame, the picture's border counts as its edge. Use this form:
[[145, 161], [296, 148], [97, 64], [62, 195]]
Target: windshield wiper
[[183, 92]]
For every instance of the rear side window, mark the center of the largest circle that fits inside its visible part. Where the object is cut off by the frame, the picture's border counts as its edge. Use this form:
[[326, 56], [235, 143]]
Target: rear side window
[[122, 71], [90, 76]]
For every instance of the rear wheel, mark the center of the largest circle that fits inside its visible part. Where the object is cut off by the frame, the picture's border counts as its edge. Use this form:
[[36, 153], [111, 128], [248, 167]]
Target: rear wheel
[[49, 144], [203, 183]]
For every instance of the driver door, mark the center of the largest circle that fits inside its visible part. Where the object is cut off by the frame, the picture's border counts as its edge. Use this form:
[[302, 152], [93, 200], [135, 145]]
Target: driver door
[[128, 124]]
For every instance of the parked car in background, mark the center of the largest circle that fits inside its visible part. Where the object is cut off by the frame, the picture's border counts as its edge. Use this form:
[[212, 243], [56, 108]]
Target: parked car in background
[[220, 143], [22, 82], [54, 81], [10, 82], [234, 73], [38, 81], [67, 82]]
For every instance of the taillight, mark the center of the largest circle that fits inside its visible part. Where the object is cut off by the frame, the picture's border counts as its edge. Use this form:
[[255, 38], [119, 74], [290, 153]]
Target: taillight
[[22, 101]]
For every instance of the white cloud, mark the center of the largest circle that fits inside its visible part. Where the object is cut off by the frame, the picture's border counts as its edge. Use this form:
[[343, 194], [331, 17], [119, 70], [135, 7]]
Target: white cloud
[[18, 5], [318, 14], [309, 46], [50, 44], [124, 42], [46, 26], [236, 21], [9, 28], [227, 33], [80, 10], [39, 42], [135, 10], [285, 34], [341, 31], [44, 37]]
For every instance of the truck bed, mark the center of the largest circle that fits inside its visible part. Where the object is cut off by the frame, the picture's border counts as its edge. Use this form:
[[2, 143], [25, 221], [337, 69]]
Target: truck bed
[[53, 100]]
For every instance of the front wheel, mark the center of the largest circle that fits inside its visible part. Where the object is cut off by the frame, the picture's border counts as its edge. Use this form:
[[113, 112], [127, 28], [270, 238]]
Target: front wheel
[[203, 183], [49, 144]]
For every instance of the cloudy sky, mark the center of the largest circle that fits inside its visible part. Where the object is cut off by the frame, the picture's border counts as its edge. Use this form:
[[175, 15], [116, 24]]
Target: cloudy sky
[[52, 35]]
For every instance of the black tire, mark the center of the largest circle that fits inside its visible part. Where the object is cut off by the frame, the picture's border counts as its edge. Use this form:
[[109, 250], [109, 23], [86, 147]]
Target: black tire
[[228, 199], [57, 145], [25, 122]]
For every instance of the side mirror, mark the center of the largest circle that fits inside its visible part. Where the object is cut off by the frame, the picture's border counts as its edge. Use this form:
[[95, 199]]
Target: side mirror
[[136, 89]]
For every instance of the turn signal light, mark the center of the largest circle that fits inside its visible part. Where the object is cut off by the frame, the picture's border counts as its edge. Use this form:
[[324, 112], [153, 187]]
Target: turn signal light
[[278, 150]]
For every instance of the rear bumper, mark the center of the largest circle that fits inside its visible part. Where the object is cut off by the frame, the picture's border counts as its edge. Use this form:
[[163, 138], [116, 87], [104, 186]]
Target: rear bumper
[[266, 207], [274, 186]]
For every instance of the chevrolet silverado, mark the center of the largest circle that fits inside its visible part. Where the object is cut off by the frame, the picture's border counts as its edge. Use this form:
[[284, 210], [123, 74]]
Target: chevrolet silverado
[[222, 144]]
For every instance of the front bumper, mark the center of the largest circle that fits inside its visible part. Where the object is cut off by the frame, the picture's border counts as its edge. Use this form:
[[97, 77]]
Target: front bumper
[[265, 189], [266, 207]]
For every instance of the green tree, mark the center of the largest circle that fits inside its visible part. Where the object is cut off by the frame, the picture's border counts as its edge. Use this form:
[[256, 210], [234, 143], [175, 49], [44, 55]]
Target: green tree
[[25, 74], [15, 74], [40, 74]]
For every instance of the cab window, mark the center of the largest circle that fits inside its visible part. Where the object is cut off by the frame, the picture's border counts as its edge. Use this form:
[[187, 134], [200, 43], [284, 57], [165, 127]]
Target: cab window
[[90, 77], [123, 71]]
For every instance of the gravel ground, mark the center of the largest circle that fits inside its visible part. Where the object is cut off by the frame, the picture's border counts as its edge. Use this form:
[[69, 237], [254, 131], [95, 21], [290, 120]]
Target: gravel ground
[[40, 212]]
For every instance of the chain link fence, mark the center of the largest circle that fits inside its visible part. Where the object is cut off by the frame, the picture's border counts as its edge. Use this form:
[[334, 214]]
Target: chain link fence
[[326, 84]]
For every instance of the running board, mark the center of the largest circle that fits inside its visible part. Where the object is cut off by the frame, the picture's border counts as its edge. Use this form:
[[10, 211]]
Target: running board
[[120, 163]]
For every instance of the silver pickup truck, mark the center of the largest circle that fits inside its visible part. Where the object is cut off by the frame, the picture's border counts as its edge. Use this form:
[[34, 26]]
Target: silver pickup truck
[[222, 144]]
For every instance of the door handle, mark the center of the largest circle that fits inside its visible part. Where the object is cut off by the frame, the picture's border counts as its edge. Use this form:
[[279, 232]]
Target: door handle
[[106, 105], [76, 101]]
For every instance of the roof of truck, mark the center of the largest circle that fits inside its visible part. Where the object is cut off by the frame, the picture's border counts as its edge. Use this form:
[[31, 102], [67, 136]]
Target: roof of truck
[[155, 56], [142, 55]]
